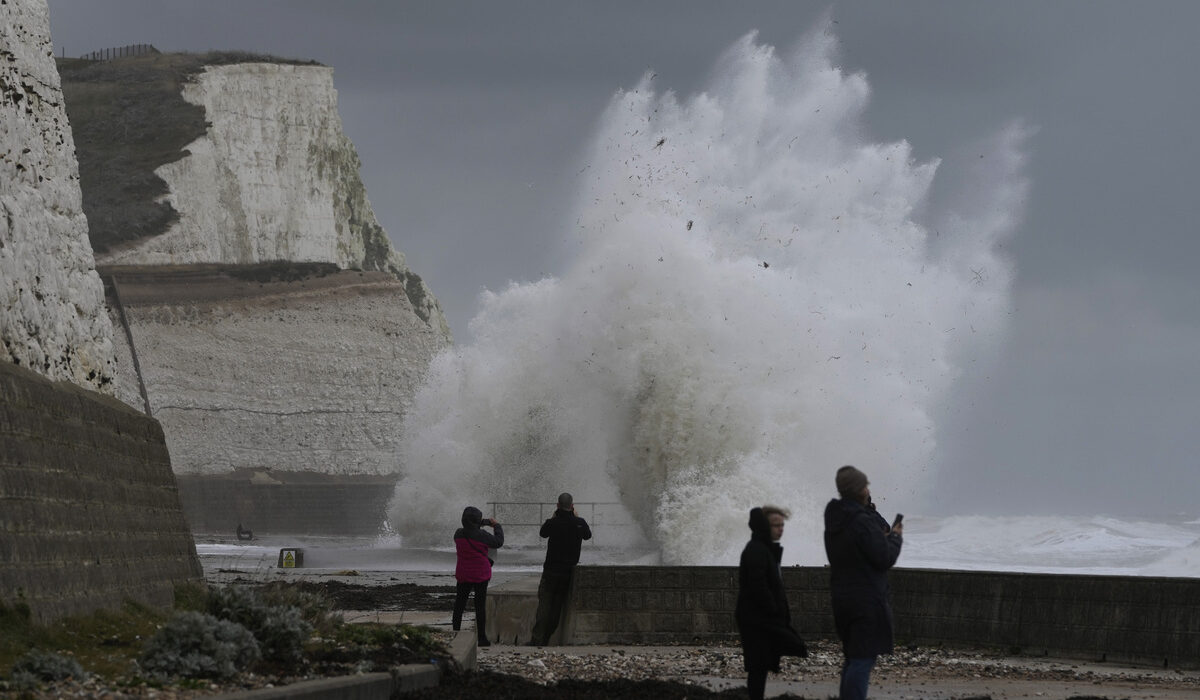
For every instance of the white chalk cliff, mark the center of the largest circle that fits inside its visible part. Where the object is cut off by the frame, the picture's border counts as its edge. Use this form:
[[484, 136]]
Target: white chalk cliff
[[274, 178], [248, 369], [272, 326], [52, 314]]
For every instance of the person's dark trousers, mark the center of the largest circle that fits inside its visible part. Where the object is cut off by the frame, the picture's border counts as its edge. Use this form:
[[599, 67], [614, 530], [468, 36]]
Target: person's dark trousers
[[756, 683], [552, 598], [460, 604], [856, 673]]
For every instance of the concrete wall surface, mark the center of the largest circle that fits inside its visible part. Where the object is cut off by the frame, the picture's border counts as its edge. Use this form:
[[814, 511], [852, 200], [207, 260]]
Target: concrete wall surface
[[89, 512], [1113, 618]]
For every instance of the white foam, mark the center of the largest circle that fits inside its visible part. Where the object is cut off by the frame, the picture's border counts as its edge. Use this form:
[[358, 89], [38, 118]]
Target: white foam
[[1053, 544], [757, 295]]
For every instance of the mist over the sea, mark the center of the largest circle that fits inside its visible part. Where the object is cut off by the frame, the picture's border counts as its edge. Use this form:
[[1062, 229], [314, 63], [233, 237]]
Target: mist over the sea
[[758, 293]]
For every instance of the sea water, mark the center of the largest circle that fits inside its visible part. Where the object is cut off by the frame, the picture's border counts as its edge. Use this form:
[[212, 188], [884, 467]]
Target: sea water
[[1039, 544]]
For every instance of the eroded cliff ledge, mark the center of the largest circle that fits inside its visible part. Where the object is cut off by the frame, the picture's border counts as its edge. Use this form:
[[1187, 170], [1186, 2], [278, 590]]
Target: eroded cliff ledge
[[278, 366]]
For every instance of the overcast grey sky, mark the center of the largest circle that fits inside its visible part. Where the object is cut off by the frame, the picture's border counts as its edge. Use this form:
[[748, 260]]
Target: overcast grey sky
[[471, 118]]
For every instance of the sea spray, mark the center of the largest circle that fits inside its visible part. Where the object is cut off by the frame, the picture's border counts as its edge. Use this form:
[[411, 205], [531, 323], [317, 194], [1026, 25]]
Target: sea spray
[[757, 294]]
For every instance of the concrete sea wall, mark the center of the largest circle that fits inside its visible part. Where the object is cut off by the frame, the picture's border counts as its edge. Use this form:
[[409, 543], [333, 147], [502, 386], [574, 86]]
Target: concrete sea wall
[[1113, 618], [89, 512]]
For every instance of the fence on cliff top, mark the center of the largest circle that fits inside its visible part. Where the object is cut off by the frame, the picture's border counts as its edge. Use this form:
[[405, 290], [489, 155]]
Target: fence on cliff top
[[121, 52]]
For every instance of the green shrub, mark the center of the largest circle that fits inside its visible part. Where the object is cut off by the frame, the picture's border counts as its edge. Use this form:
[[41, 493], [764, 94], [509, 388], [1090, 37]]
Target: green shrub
[[196, 645], [280, 629], [48, 666]]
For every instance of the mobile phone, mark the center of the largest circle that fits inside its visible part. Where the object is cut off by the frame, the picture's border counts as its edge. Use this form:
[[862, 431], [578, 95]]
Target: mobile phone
[[899, 519]]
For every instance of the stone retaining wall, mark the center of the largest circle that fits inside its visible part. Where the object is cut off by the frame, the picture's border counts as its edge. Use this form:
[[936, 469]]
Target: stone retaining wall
[[89, 512], [1113, 618]]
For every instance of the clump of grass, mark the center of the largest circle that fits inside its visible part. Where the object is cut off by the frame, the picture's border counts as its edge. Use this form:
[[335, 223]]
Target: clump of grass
[[105, 642], [374, 647]]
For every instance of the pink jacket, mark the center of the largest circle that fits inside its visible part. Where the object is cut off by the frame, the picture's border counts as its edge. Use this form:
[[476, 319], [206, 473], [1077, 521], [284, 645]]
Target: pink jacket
[[473, 563], [472, 543]]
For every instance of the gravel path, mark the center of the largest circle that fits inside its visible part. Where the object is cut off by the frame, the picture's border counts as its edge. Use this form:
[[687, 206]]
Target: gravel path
[[911, 673]]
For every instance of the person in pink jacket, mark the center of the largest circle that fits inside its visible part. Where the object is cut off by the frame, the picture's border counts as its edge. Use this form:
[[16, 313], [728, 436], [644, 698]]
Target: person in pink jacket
[[474, 568]]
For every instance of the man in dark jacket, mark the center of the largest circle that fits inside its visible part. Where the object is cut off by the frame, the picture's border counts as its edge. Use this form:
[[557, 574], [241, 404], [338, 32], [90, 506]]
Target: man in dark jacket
[[473, 570], [763, 617], [861, 547], [566, 532]]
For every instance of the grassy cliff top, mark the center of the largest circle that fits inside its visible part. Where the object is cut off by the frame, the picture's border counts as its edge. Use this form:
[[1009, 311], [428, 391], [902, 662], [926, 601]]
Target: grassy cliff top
[[128, 117]]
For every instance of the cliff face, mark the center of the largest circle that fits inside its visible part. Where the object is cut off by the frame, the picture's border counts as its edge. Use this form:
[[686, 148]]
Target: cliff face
[[52, 316], [283, 367], [263, 317], [272, 178], [90, 517]]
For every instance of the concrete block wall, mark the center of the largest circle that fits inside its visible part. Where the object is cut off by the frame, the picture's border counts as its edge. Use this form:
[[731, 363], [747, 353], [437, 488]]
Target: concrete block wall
[[651, 604], [1114, 618], [89, 511]]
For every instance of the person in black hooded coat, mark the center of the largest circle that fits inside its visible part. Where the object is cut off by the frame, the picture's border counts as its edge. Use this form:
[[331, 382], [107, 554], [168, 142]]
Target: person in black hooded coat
[[764, 619], [861, 547]]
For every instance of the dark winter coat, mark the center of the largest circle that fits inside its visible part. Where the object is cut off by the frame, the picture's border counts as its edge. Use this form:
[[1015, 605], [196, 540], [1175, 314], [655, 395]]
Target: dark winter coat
[[566, 532], [473, 544], [861, 548], [763, 617]]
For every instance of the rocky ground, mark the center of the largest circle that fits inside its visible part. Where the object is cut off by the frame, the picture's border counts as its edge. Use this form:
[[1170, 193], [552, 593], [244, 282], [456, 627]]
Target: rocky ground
[[661, 672]]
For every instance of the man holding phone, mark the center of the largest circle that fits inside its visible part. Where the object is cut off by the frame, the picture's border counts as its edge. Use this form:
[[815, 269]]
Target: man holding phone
[[566, 532], [861, 547]]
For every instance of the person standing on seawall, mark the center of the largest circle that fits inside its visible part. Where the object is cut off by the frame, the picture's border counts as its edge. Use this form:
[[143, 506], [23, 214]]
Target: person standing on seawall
[[763, 618], [861, 547], [474, 568], [566, 532]]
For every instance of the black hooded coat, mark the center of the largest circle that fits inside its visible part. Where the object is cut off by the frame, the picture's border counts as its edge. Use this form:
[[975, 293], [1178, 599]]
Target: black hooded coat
[[861, 548], [764, 619]]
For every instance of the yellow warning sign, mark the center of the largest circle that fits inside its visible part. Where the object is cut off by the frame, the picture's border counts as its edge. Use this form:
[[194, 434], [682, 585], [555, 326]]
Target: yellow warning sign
[[290, 558]]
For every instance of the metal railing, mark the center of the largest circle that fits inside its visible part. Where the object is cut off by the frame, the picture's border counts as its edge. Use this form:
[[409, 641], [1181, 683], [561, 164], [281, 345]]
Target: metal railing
[[543, 508], [520, 514]]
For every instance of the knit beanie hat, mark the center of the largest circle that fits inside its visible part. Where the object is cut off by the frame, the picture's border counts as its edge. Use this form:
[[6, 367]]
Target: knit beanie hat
[[850, 481]]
